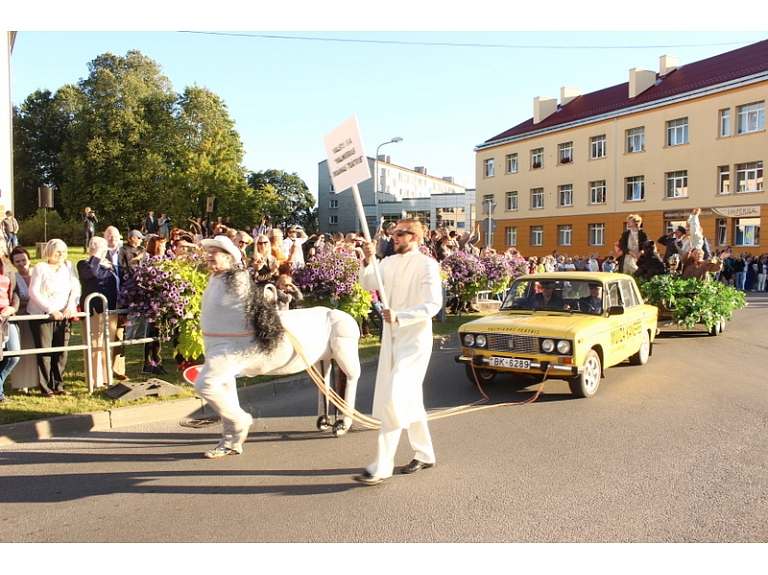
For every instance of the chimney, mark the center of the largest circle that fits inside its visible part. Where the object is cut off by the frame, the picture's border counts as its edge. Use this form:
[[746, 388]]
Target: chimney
[[543, 108], [448, 179], [667, 64], [420, 169], [567, 94], [639, 81]]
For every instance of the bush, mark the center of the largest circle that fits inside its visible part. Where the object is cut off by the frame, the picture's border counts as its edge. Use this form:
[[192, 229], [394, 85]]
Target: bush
[[32, 230]]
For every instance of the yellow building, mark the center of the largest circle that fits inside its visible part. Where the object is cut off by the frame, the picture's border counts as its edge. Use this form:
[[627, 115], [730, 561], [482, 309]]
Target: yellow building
[[660, 145]]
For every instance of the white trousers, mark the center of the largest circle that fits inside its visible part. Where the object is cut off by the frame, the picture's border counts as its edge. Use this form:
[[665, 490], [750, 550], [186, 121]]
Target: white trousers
[[216, 384], [389, 438]]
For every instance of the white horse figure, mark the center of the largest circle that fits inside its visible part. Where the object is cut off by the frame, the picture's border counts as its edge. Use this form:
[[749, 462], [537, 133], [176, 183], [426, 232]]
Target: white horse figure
[[320, 334]]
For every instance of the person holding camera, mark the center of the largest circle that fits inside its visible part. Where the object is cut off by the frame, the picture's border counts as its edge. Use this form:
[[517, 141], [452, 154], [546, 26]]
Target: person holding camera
[[296, 237], [89, 226]]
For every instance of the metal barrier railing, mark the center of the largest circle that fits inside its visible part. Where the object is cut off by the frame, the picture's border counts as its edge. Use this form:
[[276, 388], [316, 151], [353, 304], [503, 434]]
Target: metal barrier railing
[[106, 347]]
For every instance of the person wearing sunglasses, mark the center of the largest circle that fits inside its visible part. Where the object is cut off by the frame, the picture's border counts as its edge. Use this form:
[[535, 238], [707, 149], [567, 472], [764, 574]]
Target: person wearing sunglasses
[[264, 264], [412, 283]]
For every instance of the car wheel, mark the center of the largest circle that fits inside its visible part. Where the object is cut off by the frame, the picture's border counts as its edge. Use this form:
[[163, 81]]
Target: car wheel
[[586, 384], [641, 357], [483, 375], [715, 329]]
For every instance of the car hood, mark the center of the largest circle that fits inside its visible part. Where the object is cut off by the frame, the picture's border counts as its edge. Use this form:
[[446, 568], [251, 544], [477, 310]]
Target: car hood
[[540, 322]]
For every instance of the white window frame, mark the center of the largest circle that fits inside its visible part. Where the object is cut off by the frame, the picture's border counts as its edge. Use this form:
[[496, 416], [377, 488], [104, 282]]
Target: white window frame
[[333, 220], [597, 147], [537, 157], [510, 236], [565, 153], [750, 118], [597, 189], [333, 204], [537, 198], [749, 172], [512, 201], [565, 196], [743, 231], [488, 168], [565, 235], [677, 184], [596, 234], [725, 122], [637, 186], [537, 235], [677, 132], [723, 180], [512, 163], [636, 140], [722, 232]]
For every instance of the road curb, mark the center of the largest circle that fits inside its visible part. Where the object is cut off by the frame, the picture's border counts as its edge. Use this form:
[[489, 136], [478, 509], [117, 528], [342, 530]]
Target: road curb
[[67, 425]]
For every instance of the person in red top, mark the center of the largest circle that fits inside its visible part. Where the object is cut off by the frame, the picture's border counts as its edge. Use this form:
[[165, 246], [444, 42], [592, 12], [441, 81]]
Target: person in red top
[[9, 303]]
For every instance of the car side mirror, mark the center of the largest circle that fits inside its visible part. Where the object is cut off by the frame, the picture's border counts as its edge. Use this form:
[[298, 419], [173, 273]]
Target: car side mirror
[[616, 310]]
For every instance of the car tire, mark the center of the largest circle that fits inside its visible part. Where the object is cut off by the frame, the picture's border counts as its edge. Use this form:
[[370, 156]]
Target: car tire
[[715, 330], [642, 355], [483, 375], [586, 384]]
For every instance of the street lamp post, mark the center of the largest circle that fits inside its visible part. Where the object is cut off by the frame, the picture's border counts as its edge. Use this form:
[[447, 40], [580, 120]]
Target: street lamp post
[[376, 182]]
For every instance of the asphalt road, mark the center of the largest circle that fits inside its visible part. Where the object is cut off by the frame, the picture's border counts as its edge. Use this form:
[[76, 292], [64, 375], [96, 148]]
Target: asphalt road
[[674, 451]]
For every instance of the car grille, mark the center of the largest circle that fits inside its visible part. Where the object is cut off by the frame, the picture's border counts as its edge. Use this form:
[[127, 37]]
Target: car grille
[[508, 342]]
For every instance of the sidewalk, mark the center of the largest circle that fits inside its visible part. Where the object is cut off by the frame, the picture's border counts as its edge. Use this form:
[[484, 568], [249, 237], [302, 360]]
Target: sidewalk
[[191, 408]]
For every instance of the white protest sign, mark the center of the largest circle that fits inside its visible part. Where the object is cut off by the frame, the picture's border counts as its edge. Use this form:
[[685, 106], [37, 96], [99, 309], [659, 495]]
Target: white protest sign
[[346, 159]]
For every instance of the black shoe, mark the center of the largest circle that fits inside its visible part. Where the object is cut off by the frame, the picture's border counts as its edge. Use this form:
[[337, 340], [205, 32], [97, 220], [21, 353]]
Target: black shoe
[[147, 368], [415, 466], [368, 479], [158, 370]]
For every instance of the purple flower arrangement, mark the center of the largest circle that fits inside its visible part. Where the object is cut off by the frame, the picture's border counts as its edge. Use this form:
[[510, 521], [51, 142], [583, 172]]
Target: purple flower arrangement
[[158, 293], [465, 274], [328, 275]]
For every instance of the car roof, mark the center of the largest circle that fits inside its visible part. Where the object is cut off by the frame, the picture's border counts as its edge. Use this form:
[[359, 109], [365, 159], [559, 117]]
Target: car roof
[[575, 276]]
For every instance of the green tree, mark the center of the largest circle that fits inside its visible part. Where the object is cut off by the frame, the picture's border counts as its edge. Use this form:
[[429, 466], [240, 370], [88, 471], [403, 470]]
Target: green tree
[[40, 128], [119, 154], [284, 197], [208, 159]]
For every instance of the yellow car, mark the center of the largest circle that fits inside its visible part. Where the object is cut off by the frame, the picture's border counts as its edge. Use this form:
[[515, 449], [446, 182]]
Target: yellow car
[[570, 325]]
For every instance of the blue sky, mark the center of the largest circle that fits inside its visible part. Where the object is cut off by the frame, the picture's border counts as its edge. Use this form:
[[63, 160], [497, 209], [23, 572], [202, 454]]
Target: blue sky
[[442, 91]]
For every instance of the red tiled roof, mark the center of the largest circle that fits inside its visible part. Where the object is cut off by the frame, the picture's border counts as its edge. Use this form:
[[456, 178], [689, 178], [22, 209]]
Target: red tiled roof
[[733, 65]]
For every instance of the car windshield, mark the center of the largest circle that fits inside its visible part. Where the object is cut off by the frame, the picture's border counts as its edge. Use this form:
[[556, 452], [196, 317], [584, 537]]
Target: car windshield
[[574, 296]]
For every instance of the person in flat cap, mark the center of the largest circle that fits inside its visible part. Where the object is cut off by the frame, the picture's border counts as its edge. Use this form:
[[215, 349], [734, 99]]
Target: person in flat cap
[[593, 303], [548, 297]]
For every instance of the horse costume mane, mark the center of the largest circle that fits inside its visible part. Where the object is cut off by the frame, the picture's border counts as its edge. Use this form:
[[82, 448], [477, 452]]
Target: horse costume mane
[[262, 314]]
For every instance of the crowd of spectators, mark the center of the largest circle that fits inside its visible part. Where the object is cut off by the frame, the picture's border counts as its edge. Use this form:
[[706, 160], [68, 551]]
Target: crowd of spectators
[[273, 254]]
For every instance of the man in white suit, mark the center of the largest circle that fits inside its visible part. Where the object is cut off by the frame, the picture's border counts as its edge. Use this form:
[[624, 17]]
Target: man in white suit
[[412, 283]]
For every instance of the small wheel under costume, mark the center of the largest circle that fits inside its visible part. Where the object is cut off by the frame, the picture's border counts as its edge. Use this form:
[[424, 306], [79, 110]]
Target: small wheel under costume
[[323, 424], [339, 428]]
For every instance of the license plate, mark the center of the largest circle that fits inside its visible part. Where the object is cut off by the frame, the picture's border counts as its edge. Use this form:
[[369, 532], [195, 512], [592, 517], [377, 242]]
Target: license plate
[[509, 362]]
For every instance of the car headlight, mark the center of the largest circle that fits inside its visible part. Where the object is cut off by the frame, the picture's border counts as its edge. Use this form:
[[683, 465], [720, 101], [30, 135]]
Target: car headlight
[[480, 340], [469, 340], [547, 346], [564, 347]]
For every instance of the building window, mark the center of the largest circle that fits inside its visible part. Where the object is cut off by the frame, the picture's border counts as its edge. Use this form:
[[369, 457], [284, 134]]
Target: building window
[[677, 184], [511, 201], [635, 140], [537, 235], [537, 158], [333, 204], [565, 153], [722, 232], [596, 234], [751, 118], [488, 172], [597, 192], [725, 122], [537, 198], [635, 188], [747, 232], [564, 235], [723, 180], [333, 220], [565, 195], [510, 235], [749, 177], [511, 163], [677, 132], [597, 147]]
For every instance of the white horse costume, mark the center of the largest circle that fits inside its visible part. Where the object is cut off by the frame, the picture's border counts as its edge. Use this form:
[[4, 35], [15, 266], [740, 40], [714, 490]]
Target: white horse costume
[[322, 334]]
